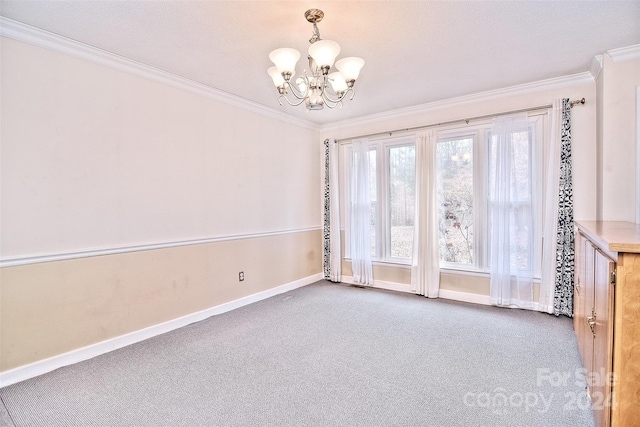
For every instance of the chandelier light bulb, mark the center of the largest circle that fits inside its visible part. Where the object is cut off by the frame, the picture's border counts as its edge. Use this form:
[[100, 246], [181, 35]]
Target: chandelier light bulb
[[324, 52], [285, 59], [338, 82], [277, 78], [350, 67]]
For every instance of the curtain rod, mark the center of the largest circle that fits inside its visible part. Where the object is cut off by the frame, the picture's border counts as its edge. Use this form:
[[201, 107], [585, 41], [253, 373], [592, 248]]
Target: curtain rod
[[486, 116]]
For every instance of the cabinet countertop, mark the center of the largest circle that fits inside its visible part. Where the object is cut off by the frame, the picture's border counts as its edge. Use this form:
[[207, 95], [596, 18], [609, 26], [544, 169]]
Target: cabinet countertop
[[616, 236]]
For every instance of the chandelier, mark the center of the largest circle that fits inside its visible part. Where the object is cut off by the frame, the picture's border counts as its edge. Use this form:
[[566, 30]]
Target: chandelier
[[313, 88]]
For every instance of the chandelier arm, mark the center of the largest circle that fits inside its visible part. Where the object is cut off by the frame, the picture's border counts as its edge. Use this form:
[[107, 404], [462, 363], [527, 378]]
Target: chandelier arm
[[332, 103], [324, 92], [296, 92], [340, 95], [327, 97], [336, 104], [293, 104]]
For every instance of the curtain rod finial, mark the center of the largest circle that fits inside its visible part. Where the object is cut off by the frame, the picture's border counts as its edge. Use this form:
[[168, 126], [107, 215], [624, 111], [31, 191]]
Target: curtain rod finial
[[579, 101]]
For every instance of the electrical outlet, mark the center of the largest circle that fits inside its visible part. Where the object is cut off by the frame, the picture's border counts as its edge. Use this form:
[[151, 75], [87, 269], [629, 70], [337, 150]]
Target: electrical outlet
[[241, 276]]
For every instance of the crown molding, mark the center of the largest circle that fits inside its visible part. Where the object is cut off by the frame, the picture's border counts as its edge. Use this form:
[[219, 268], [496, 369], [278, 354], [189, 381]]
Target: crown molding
[[622, 54], [37, 37], [596, 66], [548, 84]]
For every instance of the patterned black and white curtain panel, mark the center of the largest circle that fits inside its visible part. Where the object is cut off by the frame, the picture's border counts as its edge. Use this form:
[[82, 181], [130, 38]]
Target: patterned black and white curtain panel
[[565, 245], [332, 258], [326, 233]]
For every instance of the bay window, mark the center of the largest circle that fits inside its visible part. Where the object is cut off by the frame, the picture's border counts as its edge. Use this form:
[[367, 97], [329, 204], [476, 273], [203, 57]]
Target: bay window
[[464, 162]]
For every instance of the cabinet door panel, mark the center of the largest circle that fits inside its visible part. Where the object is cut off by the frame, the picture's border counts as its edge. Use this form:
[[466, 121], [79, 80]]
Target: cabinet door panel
[[589, 297], [602, 351], [626, 356], [580, 310]]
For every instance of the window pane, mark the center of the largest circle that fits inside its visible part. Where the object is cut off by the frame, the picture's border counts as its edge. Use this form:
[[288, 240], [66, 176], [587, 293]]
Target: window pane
[[521, 232], [373, 194], [454, 165], [402, 194], [520, 198]]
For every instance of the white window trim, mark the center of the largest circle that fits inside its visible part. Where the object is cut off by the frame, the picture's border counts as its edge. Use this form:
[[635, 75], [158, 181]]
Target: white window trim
[[391, 143], [481, 244], [383, 248], [537, 119], [345, 195], [478, 134]]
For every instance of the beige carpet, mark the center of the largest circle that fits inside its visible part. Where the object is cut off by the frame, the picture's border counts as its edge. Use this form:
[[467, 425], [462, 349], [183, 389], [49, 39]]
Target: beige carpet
[[326, 355]]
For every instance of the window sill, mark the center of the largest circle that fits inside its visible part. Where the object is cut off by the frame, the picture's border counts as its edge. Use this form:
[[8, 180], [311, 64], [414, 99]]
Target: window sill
[[445, 270], [474, 273], [470, 273], [398, 264], [387, 263]]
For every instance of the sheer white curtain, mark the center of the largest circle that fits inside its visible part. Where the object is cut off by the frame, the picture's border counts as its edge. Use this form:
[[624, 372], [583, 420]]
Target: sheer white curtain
[[425, 265], [552, 184], [360, 213], [510, 205], [335, 257]]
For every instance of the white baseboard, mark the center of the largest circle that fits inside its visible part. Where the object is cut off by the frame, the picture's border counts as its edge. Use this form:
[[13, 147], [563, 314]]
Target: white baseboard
[[479, 299], [47, 365], [442, 293], [464, 297], [380, 284]]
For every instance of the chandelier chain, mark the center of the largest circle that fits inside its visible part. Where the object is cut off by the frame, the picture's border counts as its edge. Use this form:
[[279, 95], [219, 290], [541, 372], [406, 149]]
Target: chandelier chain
[[316, 34]]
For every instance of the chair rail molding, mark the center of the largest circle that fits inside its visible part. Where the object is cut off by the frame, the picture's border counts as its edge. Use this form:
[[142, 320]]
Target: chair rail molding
[[38, 258]]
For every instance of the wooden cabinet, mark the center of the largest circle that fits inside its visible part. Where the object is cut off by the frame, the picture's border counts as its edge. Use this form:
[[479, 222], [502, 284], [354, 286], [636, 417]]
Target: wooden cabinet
[[607, 318], [593, 322]]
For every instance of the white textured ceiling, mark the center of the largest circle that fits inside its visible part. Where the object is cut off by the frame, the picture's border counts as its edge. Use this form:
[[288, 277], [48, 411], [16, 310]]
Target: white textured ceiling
[[415, 51]]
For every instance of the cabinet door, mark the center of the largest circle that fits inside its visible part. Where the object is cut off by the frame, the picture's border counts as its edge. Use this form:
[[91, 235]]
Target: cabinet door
[[588, 287], [580, 311], [603, 339], [626, 355]]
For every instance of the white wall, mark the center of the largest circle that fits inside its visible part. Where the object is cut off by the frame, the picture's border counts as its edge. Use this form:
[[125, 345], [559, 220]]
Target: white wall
[[93, 157], [617, 138], [96, 158]]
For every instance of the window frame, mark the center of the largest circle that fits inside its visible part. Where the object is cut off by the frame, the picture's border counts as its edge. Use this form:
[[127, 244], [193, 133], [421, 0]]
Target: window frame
[[481, 152], [382, 147], [476, 133], [538, 122], [386, 223]]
